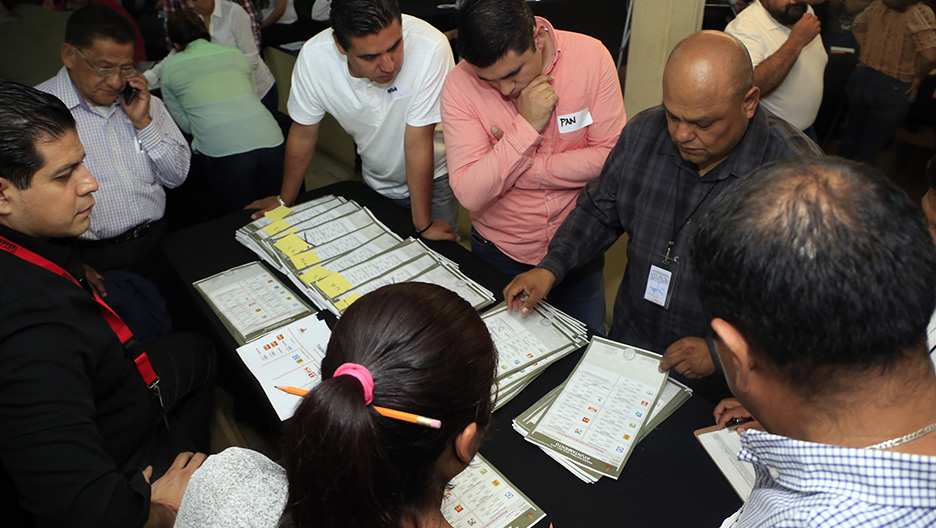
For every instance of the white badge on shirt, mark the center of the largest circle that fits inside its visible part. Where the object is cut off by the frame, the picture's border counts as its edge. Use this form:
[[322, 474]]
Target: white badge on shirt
[[658, 285], [572, 122], [399, 92]]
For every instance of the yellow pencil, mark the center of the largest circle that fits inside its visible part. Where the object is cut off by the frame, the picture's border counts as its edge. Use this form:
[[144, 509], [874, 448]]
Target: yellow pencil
[[409, 417], [292, 390], [389, 413]]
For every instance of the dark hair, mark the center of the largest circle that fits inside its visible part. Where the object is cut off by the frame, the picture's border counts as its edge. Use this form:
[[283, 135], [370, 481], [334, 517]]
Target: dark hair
[[488, 29], [97, 21], [430, 354], [185, 27], [359, 18], [823, 264], [28, 117]]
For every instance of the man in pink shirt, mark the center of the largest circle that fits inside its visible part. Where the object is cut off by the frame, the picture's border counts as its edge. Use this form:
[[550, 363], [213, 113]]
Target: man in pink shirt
[[529, 118]]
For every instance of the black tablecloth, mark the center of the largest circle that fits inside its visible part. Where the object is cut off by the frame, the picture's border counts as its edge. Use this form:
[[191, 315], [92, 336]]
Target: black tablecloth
[[668, 480]]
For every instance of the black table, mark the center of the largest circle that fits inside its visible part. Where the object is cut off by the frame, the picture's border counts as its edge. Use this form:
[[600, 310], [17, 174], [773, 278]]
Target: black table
[[668, 480]]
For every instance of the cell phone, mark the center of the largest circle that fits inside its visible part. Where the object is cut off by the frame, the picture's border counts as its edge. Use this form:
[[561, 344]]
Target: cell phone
[[129, 92]]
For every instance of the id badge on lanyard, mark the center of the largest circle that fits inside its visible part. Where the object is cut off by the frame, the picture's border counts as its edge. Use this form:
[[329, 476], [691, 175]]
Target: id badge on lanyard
[[661, 280]]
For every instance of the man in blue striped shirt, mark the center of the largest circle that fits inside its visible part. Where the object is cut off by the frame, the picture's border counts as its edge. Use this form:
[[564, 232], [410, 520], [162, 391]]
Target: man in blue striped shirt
[[819, 277]]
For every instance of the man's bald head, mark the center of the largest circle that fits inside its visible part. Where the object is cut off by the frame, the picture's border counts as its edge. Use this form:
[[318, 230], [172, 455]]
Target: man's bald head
[[710, 61], [709, 96]]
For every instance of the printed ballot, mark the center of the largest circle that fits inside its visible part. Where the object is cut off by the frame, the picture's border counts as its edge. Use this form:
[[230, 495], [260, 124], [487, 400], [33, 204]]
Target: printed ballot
[[290, 356], [480, 497], [596, 415], [249, 300], [723, 446]]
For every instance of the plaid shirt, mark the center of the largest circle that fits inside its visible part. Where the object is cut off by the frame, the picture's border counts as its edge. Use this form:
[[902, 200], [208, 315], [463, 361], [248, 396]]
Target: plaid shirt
[[817, 485], [645, 190], [171, 6]]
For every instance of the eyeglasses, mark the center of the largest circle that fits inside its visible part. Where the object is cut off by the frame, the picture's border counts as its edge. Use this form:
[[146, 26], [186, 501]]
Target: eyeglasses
[[126, 73]]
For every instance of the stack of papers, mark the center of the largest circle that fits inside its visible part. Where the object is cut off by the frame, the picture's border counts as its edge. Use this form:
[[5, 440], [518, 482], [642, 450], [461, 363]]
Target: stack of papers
[[527, 343], [480, 496], [251, 301], [590, 424], [335, 251]]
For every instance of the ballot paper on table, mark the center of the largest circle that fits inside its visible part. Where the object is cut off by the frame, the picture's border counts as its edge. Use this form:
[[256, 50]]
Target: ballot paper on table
[[673, 396], [481, 497], [291, 356], [527, 343], [594, 420], [249, 300], [723, 446]]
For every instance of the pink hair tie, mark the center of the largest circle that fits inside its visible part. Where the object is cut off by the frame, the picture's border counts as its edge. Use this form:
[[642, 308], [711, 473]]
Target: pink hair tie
[[362, 374]]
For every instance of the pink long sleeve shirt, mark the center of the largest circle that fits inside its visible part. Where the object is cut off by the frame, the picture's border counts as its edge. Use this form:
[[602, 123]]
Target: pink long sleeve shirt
[[521, 188]]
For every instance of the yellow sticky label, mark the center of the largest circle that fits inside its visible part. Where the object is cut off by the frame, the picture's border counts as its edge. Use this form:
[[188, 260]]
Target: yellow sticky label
[[333, 285], [349, 300], [278, 213], [305, 259], [291, 244], [314, 275], [276, 227], [341, 305]]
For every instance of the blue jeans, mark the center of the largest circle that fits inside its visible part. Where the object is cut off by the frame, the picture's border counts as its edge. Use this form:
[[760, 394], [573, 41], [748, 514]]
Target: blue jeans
[[444, 203], [581, 294], [877, 105]]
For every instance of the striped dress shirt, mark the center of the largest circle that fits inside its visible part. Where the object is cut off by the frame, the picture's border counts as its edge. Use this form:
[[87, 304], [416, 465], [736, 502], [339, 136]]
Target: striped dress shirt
[[131, 166], [817, 485]]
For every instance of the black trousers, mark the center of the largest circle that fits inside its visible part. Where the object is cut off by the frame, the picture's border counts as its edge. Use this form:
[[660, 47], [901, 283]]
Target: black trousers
[[186, 366]]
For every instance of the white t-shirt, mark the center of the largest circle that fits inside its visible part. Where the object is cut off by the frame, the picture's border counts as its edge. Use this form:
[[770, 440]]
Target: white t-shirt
[[321, 10], [798, 97], [376, 115], [289, 15]]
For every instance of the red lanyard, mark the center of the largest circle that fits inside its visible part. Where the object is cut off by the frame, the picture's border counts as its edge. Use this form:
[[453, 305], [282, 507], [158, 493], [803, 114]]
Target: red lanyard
[[113, 320]]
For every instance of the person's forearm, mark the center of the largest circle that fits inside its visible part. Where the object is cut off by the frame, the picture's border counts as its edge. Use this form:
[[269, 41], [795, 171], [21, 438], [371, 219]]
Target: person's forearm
[[300, 148], [567, 170], [769, 74], [418, 151], [166, 147]]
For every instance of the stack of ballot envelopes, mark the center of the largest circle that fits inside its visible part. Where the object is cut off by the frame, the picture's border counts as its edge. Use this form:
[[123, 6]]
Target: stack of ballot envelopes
[[335, 251]]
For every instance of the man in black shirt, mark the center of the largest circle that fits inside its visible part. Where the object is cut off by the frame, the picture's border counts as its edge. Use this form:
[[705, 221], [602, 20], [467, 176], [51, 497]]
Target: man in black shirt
[[85, 425]]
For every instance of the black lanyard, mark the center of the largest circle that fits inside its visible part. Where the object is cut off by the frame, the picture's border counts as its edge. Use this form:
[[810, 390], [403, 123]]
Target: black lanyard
[[677, 227]]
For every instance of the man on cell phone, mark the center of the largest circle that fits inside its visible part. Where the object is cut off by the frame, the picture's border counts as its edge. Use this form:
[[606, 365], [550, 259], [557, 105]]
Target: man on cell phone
[[133, 147]]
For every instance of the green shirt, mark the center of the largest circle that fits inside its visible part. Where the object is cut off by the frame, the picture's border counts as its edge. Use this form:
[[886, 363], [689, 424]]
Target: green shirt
[[209, 91]]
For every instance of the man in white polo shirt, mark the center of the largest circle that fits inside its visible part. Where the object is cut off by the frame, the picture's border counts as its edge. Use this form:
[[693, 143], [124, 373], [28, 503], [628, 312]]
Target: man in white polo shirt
[[356, 72], [789, 60]]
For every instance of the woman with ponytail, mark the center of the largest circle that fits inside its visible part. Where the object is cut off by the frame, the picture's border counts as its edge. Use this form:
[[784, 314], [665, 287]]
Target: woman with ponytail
[[413, 347]]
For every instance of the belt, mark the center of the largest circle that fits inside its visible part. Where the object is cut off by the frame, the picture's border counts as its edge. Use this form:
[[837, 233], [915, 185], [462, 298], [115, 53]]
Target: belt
[[126, 236]]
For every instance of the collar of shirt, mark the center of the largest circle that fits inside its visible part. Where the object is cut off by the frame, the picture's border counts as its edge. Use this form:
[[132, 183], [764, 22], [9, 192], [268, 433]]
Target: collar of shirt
[[873, 476], [72, 98], [753, 145], [554, 40], [60, 251]]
